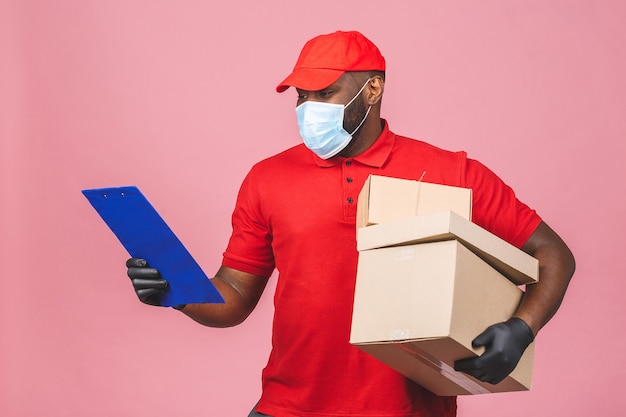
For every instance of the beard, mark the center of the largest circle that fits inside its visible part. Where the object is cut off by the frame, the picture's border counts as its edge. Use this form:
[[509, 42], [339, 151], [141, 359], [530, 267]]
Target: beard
[[353, 116]]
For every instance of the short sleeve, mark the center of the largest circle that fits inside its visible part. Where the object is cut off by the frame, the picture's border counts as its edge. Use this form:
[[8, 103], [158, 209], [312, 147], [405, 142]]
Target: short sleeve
[[250, 246], [495, 206]]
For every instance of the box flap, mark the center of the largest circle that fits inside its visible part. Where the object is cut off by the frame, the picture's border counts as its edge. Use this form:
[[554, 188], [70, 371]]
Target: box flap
[[439, 377], [384, 199], [516, 265]]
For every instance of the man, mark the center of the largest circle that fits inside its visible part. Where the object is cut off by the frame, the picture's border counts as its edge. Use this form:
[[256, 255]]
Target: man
[[296, 212]]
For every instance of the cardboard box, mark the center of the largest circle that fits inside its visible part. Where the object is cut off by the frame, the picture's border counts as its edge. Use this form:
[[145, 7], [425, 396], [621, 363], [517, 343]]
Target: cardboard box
[[516, 265], [418, 307], [384, 199]]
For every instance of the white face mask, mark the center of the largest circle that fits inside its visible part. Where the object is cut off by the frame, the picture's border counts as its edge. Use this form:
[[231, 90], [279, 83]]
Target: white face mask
[[321, 126]]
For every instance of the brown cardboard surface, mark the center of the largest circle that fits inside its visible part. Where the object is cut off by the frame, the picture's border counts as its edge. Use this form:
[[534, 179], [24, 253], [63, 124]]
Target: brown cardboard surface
[[384, 199], [510, 261], [418, 307]]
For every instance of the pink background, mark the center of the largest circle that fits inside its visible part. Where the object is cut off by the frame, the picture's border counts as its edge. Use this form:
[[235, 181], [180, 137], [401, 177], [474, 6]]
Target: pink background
[[178, 98]]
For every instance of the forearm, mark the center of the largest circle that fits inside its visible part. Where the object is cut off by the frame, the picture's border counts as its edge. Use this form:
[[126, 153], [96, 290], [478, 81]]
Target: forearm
[[227, 314], [556, 267], [241, 293]]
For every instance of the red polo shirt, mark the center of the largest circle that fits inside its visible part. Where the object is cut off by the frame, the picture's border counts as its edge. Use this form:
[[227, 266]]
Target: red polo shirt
[[296, 212]]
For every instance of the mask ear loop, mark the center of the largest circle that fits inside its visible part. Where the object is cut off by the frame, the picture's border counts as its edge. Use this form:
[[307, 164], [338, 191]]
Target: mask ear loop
[[368, 109], [360, 91]]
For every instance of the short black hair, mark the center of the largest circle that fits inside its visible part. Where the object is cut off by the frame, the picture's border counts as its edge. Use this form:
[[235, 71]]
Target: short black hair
[[378, 73]]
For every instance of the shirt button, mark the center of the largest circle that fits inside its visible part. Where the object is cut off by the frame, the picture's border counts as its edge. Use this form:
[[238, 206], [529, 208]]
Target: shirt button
[[349, 179], [348, 163], [350, 200]]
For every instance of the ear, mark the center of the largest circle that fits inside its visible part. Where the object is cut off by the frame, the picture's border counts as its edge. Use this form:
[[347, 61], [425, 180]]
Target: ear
[[375, 89]]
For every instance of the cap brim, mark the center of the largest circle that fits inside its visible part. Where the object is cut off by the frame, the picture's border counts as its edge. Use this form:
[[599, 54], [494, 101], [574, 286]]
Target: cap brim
[[310, 79]]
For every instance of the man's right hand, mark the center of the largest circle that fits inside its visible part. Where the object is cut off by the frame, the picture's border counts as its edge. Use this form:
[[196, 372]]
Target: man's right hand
[[147, 281]]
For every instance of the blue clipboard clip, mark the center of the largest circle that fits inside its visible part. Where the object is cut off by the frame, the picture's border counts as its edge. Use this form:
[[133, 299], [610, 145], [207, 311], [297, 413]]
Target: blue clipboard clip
[[144, 234]]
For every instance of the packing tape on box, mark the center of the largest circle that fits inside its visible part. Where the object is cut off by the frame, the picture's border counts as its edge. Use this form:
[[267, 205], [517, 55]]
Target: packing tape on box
[[462, 380]]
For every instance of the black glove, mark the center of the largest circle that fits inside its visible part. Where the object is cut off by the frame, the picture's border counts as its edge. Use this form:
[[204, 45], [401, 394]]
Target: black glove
[[504, 345], [147, 281]]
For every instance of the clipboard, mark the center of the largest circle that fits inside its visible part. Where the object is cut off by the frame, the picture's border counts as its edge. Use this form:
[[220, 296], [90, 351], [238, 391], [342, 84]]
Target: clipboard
[[144, 234]]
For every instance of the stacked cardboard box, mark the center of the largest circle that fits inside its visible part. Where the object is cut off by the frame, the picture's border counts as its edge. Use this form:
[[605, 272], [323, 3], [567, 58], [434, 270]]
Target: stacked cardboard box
[[429, 281]]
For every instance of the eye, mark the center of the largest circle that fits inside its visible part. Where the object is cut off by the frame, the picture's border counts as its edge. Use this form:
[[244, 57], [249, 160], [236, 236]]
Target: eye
[[301, 95], [325, 93]]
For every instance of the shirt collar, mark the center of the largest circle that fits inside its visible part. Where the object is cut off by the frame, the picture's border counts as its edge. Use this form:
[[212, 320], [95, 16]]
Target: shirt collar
[[374, 156]]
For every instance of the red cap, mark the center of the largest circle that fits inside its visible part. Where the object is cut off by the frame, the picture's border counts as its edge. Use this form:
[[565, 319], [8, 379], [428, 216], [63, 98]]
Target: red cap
[[325, 58]]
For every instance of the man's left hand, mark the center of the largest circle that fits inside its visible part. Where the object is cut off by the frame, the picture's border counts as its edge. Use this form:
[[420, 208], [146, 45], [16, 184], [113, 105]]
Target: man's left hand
[[504, 345]]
